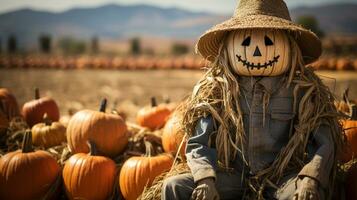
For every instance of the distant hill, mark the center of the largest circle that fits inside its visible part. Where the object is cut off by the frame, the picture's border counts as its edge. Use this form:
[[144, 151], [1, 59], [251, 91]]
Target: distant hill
[[116, 21], [333, 18]]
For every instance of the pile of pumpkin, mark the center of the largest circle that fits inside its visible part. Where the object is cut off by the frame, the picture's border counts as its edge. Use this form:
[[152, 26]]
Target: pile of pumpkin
[[335, 63], [90, 155], [101, 62], [348, 109]]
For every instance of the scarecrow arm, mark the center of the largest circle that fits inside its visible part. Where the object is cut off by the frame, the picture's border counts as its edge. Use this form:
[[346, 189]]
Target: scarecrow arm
[[200, 158], [320, 166]]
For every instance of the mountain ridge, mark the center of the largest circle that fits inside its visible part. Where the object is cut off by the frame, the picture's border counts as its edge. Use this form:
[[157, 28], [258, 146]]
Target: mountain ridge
[[122, 21]]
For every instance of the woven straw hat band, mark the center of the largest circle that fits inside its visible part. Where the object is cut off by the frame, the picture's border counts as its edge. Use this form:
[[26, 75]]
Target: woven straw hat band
[[275, 8]]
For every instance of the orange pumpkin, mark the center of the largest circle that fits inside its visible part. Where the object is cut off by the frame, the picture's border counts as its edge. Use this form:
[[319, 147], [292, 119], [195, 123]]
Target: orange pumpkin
[[8, 104], [48, 133], [25, 174], [88, 176], [172, 136], [108, 131], [34, 110], [138, 172], [153, 117], [350, 150]]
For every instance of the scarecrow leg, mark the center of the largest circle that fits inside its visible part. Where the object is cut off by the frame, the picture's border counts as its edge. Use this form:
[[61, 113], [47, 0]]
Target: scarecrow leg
[[181, 186]]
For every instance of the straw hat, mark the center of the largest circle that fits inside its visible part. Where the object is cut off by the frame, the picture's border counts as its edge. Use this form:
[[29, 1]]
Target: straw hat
[[271, 14]]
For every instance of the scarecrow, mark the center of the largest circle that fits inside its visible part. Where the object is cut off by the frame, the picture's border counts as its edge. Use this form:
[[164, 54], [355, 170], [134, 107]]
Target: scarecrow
[[262, 125]]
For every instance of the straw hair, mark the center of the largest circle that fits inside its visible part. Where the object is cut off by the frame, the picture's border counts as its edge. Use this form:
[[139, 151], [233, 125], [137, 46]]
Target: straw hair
[[260, 14]]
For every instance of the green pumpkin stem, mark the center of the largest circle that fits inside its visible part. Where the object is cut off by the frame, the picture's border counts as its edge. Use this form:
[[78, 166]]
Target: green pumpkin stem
[[27, 142], [92, 148], [47, 120], [153, 102], [37, 93], [103, 105]]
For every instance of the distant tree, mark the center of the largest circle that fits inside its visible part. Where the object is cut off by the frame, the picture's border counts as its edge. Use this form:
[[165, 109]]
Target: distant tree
[[12, 44], [310, 22], [71, 46], [179, 49], [45, 43], [0, 46], [135, 46], [95, 44]]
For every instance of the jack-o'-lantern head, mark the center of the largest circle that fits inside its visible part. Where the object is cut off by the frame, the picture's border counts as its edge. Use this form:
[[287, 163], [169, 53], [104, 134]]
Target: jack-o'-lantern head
[[259, 35], [259, 52]]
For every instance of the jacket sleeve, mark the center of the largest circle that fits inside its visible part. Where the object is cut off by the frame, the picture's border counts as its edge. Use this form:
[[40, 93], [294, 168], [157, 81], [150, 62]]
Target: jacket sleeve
[[320, 166], [202, 159]]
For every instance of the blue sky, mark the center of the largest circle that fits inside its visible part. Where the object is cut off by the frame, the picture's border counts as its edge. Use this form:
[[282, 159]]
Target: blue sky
[[217, 6]]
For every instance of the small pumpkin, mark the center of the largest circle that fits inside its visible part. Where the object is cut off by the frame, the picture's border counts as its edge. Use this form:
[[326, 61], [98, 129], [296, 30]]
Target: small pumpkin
[[172, 136], [48, 133], [89, 176], [351, 182], [27, 174], [259, 52], [34, 110], [108, 131], [8, 104], [153, 117], [138, 172], [350, 150]]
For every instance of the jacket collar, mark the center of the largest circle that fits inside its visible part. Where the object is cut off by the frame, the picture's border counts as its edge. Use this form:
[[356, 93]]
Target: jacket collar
[[269, 83]]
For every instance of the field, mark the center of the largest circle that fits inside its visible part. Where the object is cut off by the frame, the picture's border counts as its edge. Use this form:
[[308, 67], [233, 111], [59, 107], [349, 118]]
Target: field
[[78, 89]]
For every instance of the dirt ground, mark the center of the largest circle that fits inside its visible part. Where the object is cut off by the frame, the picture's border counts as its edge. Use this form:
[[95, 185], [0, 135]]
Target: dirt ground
[[80, 89]]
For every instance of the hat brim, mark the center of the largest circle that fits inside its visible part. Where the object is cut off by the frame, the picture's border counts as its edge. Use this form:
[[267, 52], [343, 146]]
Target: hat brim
[[209, 43]]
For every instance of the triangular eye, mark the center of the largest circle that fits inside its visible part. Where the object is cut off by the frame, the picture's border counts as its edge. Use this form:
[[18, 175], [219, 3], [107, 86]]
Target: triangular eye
[[268, 41], [246, 42]]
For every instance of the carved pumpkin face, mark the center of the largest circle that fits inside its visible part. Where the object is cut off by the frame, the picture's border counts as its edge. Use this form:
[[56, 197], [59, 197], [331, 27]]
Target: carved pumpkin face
[[259, 52]]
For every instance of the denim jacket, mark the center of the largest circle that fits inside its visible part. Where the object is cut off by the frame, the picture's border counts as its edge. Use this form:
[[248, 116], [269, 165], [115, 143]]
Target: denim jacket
[[266, 132]]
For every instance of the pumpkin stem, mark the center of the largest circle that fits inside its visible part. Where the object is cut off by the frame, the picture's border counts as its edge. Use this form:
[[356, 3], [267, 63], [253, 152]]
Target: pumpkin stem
[[27, 142], [103, 105], [47, 120], [37, 93], [92, 148], [153, 102], [167, 100], [148, 148]]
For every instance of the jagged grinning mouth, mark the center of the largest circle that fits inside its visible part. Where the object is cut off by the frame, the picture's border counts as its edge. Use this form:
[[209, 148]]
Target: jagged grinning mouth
[[258, 66]]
